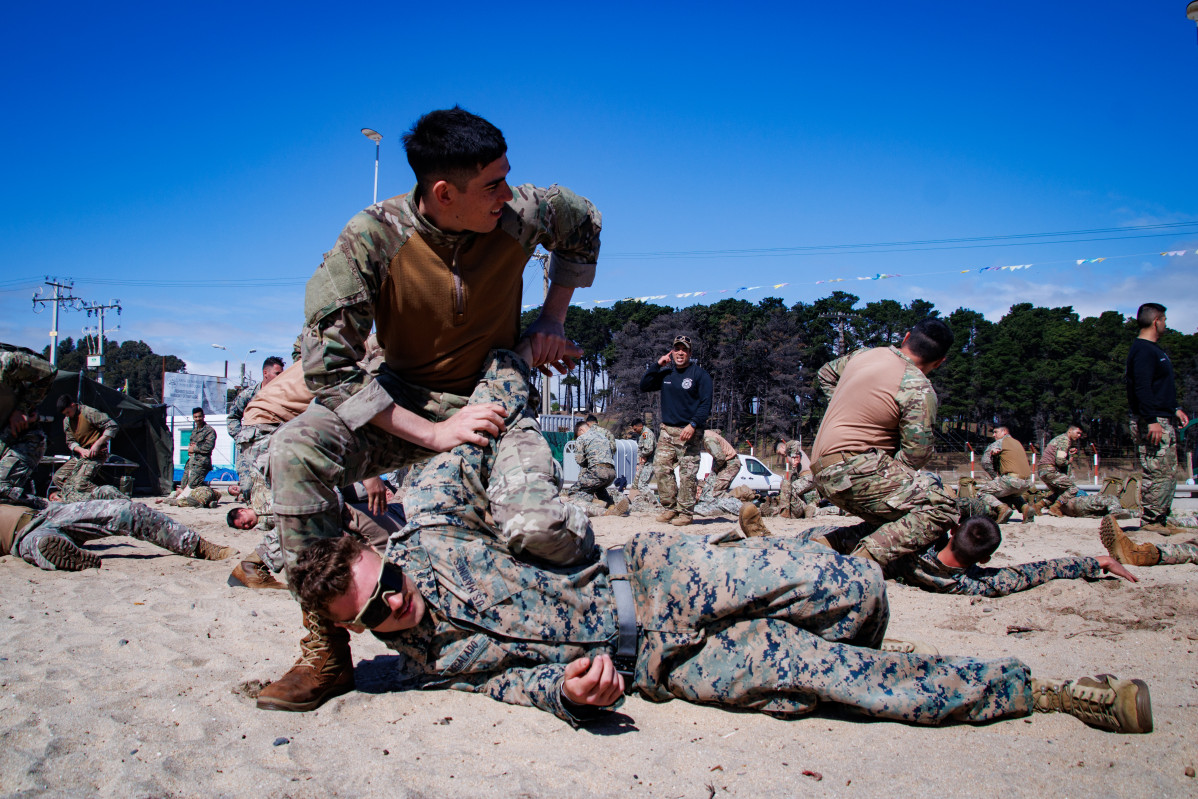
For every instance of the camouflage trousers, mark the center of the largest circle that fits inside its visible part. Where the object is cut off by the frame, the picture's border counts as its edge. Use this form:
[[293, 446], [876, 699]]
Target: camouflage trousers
[[198, 497], [644, 474], [908, 509], [1172, 554], [726, 505], [1060, 485], [646, 502], [1083, 505], [195, 470], [253, 443], [72, 494], [18, 461], [80, 522], [994, 491], [677, 495], [793, 496], [316, 452], [780, 625], [77, 477], [592, 484], [716, 484], [1159, 464]]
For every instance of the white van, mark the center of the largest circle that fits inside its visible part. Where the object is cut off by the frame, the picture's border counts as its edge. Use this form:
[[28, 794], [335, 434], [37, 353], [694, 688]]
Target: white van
[[753, 473]]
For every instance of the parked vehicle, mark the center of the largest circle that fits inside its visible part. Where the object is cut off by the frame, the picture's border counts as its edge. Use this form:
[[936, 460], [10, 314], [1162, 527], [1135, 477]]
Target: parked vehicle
[[753, 473]]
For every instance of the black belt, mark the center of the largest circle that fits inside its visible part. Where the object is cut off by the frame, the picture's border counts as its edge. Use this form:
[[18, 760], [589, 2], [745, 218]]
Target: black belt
[[625, 656]]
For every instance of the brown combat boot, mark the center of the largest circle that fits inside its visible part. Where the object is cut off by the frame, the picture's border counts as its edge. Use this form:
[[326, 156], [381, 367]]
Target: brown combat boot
[[1004, 512], [65, 556], [325, 669], [1104, 701], [1122, 548], [666, 515], [619, 509], [206, 550], [1055, 510], [750, 521], [744, 493], [1029, 512], [682, 520], [1163, 528], [253, 573]]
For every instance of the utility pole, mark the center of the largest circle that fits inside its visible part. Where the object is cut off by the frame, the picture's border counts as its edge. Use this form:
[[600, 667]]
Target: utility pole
[[54, 302], [841, 317], [98, 359]]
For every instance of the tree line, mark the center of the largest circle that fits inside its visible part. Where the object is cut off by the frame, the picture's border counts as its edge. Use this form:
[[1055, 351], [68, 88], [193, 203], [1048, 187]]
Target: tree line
[[134, 361], [1037, 370]]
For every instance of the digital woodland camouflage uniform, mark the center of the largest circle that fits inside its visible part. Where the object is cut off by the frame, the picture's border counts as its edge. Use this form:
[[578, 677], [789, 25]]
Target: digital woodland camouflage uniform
[[199, 463], [594, 455], [80, 522], [646, 445], [332, 443], [236, 429], [766, 624], [24, 382], [907, 508], [77, 477]]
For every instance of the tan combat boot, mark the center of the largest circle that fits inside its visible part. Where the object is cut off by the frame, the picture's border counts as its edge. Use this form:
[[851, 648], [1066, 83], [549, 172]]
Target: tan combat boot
[[1004, 512], [666, 515], [1163, 529], [910, 647], [682, 520], [1055, 510], [809, 510], [325, 669], [253, 573], [1104, 701], [1122, 548], [1029, 512], [619, 509], [743, 493], [206, 550], [750, 521]]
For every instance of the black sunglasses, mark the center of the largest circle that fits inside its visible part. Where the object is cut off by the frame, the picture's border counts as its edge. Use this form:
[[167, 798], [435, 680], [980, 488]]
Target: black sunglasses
[[376, 610]]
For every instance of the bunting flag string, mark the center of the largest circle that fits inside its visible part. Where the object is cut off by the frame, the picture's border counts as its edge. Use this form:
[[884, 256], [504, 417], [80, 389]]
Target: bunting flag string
[[876, 276]]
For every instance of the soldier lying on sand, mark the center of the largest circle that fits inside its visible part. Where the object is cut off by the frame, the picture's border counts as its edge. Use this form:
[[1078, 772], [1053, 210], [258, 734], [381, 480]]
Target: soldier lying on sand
[[767, 624]]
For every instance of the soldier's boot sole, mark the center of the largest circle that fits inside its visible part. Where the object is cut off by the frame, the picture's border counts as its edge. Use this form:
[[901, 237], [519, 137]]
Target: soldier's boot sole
[[255, 575], [909, 646], [750, 521], [1105, 702], [65, 555], [1122, 548], [1004, 512]]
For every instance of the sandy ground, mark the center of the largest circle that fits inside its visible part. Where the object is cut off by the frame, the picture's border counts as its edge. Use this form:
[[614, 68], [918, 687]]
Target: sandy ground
[[126, 682]]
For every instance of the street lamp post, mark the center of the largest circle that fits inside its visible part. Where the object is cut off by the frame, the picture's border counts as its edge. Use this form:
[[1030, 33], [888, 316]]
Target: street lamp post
[[375, 137], [243, 362], [222, 347]]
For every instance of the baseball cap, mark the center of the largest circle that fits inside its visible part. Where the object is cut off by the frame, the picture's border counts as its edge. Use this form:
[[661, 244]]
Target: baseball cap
[[683, 340]]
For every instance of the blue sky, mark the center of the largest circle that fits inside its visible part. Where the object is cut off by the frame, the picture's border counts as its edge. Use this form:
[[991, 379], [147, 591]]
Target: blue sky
[[195, 161]]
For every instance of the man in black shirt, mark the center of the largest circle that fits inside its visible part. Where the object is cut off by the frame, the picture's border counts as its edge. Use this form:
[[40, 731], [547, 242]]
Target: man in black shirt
[[1152, 404], [685, 403]]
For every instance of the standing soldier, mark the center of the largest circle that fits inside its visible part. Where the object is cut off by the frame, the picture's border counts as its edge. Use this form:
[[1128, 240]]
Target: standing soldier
[[88, 432], [1005, 461], [24, 381], [272, 367], [1152, 404], [199, 457], [793, 499], [685, 404], [875, 436], [1064, 498]]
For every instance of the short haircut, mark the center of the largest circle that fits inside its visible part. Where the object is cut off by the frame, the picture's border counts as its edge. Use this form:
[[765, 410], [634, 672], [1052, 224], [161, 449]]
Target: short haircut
[[930, 339], [231, 516], [451, 144], [636, 422], [975, 540], [1075, 427], [64, 402], [998, 427], [273, 360], [578, 424], [592, 418], [194, 411], [324, 571], [1149, 312]]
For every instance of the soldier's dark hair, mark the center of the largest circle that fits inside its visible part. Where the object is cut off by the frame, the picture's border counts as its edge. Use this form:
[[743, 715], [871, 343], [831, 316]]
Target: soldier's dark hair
[[194, 411], [64, 402], [635, 422], [1076, 427], [578, 424], [231, 516], [930, 339], [975, 540], [273, 360], [451, 144], [1149, 312], [592, 418], [324, 571]]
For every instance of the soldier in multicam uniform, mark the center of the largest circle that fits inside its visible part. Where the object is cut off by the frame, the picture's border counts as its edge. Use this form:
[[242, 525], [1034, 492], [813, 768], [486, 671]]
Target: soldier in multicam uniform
[[646, 445], [770, 625], [876, 434], [798, 497], [1152, 406], [88, 432], [199, 497], [72, 494], [685, 404], [24, 381], [596, 461], [1064, 497], [1005, 462], [243, 435], [714, 497], [51, 538], [438, 272], [199, 451]]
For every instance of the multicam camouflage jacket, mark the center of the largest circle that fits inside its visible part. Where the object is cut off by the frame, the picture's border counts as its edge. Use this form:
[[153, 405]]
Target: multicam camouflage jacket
[[342, 299], [1056, 454], [927, 572], [593, 449], [646, 444], [990, 457], [24, 381], [916, 401], [98, 420], [237, 409]]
